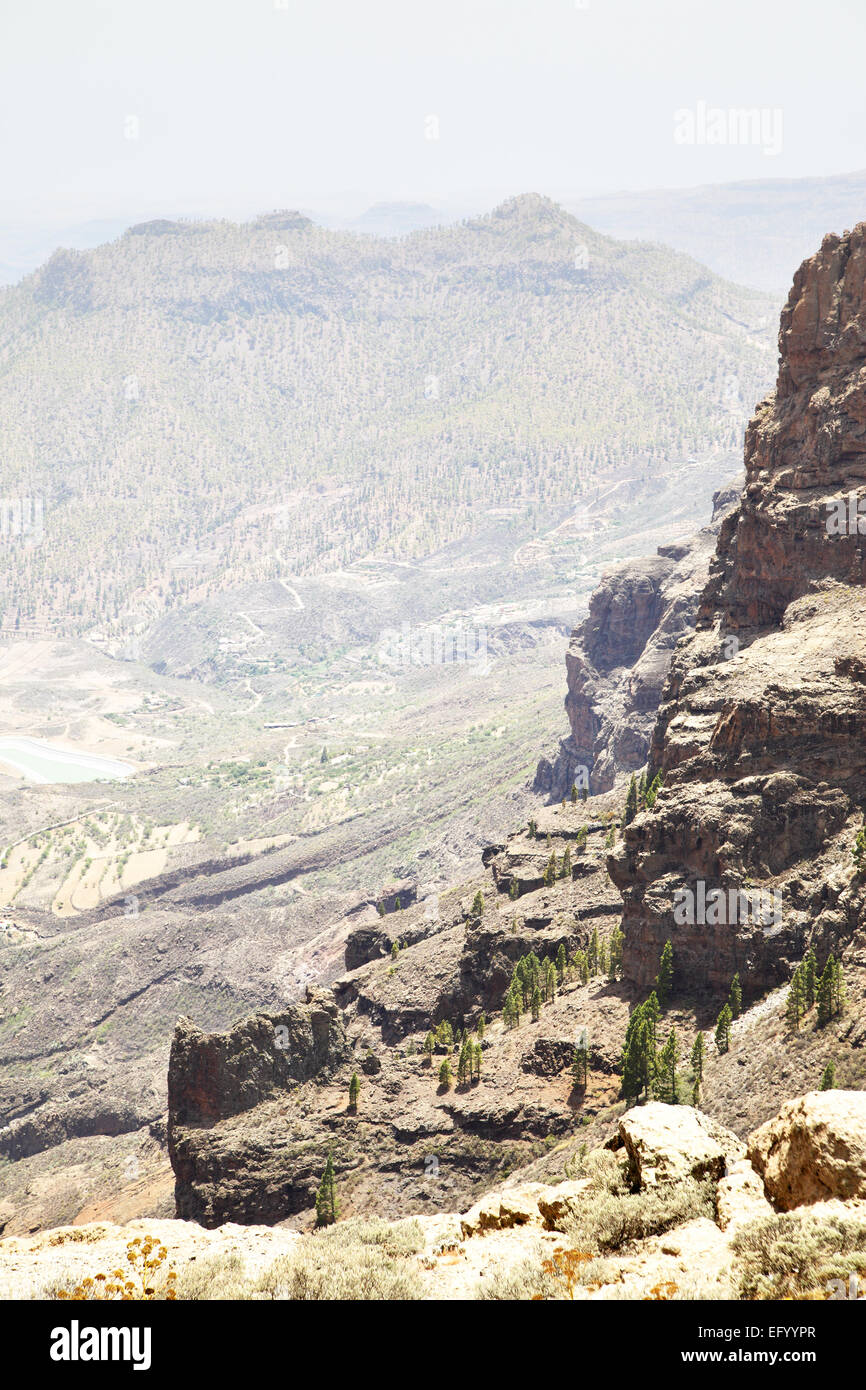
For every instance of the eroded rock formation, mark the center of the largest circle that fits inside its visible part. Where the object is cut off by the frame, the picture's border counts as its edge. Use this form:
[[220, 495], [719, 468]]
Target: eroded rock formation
[[618, 658], [761, 732]]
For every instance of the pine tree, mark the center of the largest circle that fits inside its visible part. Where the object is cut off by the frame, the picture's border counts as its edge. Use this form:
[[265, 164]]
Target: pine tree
[[584, 793], [840, 994], [810, 977], [429, 1046], [565, 870], [824, 994], [327, 1206], [445, 1035], [550, 871], [445, 1073], [641, 789], [638, 1058], [652, 791], [828, 1080], [573, 794], [481, 1025], [697, 1058], [616, 944], [581, 965], [653, 1014], [477, 904], [580, 1065], [535, 1004], [735, 998], [592, 954], [630, 802], [665, 977], [549, 981], [561, 962], [514, 890], [795, 1003], [354, 1089], [477, 1054], [859, 852], [639, 1054], [666, 1076], [723, 1029]]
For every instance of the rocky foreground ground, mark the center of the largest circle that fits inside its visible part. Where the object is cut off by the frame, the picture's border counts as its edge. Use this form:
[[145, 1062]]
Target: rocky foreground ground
[[673, 1206]]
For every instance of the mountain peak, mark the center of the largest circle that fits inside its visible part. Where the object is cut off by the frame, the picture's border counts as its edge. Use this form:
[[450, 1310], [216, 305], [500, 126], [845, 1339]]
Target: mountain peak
[[530, 205]]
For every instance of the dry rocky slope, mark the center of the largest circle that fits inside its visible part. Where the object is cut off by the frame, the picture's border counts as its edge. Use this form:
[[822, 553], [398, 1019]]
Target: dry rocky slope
[[761, 742]]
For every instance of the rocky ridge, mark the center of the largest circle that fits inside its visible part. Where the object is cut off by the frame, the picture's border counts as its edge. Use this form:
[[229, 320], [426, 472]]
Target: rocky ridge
[[760, 732]]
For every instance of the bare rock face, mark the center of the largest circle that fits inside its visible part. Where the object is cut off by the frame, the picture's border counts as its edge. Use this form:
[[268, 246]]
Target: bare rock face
[[761, 731], [669, 1143], [214, 1079], [618, 659], [740, 1197], [813, 1150], [214, 1075], [805, 447]]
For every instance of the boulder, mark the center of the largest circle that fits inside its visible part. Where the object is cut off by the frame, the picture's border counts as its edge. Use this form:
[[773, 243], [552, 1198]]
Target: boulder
[[668, 1143], [741, 1197], [813, 1150], [497, 1211], [558, 1204]]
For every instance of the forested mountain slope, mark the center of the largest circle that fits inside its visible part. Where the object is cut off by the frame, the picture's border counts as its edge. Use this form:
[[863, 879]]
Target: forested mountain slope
[[200, 405]]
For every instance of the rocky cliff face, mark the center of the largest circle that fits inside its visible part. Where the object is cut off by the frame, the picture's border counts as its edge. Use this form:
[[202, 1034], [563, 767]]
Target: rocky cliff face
[[761, 732], [618, 659], [214, 1077]]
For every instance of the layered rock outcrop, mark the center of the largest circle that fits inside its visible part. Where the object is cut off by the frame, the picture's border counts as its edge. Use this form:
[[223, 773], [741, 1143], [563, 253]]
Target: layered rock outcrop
[[618, 658], [214, 1078], [761, 732], [813, 1150]]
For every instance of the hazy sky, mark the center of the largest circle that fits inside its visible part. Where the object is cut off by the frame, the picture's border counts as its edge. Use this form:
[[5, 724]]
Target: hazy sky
[[116, 107]]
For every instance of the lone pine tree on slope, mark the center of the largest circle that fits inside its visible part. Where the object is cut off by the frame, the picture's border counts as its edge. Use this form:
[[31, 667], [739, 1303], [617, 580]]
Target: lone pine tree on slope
[[665, 977], [327, 1206]]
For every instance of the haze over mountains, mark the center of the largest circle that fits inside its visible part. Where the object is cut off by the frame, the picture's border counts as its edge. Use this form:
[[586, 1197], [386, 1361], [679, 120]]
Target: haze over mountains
[[754, 232], [209, 404]]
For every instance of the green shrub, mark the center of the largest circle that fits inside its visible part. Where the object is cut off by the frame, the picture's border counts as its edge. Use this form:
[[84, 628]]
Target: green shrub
[[798, 1253]]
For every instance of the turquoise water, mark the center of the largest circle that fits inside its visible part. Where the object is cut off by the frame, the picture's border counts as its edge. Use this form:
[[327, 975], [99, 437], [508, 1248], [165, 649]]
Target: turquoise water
[[44, 762]]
